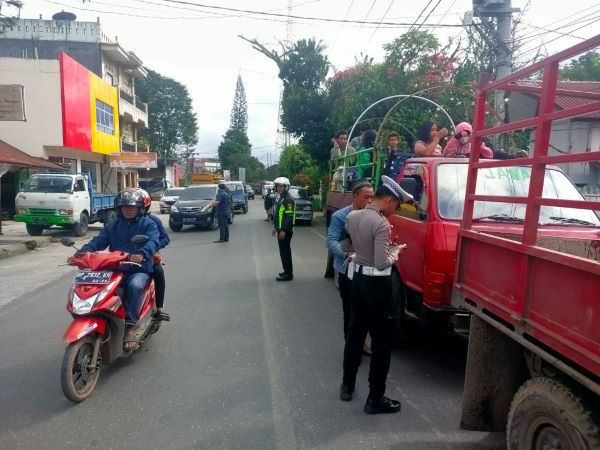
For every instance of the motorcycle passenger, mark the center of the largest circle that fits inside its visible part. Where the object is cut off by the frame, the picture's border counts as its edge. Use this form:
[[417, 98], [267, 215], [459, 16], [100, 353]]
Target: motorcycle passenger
[[284, 220], [117, 235], [158, 273]]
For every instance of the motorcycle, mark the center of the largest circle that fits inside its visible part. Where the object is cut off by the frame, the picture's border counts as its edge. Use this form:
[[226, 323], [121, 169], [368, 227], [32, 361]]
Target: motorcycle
[[95, 337]]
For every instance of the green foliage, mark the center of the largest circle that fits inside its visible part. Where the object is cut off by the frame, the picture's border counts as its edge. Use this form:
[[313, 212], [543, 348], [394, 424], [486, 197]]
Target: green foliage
[[234, 149], [255, 170], [293, 160], [239, 111], [584, 68], [172, 126]]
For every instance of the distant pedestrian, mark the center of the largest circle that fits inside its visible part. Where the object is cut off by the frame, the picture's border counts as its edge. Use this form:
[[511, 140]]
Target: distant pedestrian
[[268, 204], [223, 209], [374, 257], [284, 220]]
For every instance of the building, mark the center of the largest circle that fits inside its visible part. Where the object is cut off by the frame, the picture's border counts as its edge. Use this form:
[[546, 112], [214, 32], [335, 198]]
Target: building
[[577, 134], [32, 48]]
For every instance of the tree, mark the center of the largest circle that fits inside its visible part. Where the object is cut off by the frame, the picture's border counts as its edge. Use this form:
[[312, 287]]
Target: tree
[[239, 111], [584, 68], [255, 170], [235, 141], [172, 125], [293, 160], [303, 68]]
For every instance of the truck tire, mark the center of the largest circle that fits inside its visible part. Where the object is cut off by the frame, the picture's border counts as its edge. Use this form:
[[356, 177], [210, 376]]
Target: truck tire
[[545, 413], [34, 230], [111, 216], [81, 227]]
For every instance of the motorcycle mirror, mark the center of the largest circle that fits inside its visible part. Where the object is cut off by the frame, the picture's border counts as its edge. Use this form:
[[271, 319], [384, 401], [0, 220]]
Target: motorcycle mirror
[[139, 239], [67, 241]]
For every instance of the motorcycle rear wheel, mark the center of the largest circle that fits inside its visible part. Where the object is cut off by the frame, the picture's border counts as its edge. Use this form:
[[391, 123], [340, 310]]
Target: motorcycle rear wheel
[[76, 380]]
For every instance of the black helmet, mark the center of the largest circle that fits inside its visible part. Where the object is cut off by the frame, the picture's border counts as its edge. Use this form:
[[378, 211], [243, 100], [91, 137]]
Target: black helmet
[[130, 197]]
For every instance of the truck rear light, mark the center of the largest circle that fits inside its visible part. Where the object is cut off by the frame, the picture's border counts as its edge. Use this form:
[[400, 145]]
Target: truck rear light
[[434, 288]]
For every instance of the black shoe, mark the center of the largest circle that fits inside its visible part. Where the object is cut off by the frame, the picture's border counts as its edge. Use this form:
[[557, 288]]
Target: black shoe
[[285, 277], [346, 392], [219, 241], [281, 274], [382, 406]]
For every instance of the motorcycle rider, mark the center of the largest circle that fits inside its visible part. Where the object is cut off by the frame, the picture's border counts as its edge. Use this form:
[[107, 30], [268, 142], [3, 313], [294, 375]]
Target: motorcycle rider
[[131, 221], [158, 273], [284, 220]]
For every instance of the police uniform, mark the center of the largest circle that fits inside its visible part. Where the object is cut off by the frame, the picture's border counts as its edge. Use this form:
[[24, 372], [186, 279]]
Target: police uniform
[[284, 220], [371, 301]]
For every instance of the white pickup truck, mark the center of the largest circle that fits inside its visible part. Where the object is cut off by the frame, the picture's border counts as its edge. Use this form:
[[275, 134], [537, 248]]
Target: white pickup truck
[[63, 200]]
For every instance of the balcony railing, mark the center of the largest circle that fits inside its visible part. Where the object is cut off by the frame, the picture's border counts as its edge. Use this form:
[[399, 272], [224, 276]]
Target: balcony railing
[[128, 146], [133, 100]]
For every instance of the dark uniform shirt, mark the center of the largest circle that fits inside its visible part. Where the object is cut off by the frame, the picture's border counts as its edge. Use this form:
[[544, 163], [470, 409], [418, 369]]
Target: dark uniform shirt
[[284, 218], [223, 206]]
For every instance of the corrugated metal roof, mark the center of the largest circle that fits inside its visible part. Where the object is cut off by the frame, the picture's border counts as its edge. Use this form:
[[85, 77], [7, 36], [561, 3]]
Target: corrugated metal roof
[[14, 156], [566, 102]]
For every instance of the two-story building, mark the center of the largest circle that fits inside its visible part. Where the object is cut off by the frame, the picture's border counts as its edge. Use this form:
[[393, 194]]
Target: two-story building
[[55, 61]]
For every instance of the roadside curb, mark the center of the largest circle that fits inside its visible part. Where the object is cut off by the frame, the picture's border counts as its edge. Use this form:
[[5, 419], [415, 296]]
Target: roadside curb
[[8, 251]]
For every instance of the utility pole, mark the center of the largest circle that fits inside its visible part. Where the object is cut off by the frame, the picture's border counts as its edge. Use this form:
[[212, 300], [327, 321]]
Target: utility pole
[[499, 38]]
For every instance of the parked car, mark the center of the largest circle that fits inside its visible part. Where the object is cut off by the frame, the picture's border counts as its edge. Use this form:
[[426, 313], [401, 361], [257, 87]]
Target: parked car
[[249, 192], [196, 206], [304, 210], [266, 187], [169, 197], [238, 196]]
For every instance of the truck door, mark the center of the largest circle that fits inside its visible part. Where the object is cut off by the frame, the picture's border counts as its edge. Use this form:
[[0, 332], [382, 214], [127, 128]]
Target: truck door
[[81, 197], [410, 225]]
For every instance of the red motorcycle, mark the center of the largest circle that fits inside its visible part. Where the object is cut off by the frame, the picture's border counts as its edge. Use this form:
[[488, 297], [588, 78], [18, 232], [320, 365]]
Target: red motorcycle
[[95, 337]]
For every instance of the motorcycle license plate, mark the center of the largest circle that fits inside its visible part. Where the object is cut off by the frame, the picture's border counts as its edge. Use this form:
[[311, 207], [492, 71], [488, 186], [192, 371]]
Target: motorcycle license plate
[[92, 277]]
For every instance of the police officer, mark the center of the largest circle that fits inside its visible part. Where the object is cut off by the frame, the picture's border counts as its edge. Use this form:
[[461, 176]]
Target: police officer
[[284, 220], [371, 296], [223, 208]]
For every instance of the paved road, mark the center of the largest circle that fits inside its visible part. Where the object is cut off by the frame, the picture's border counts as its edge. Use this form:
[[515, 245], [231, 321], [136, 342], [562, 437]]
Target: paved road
[[245, 362]]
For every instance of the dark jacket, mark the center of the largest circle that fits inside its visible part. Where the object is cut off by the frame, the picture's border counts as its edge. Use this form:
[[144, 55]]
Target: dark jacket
[[163, 237], [117, 236], [285, 213]]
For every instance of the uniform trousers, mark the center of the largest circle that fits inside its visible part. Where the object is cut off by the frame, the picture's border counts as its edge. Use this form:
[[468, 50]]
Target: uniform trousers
[[223, 227], [345, 285], [285, 252], [371, 313]]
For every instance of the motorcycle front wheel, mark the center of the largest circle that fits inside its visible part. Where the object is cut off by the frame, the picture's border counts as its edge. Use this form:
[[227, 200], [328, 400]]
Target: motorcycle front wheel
[[76, 378]]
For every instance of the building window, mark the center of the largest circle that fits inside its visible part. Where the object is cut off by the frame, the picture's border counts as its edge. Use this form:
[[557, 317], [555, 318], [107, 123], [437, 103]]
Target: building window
[[26, 28], [85, 31], [104, 117], [109, 78]]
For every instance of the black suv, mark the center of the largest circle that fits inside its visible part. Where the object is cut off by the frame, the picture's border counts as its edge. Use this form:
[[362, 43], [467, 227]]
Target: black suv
[[196, 206]]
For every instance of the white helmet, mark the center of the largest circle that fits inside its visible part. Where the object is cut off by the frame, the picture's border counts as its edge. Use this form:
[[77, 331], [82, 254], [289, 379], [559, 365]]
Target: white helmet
[[283, 181]]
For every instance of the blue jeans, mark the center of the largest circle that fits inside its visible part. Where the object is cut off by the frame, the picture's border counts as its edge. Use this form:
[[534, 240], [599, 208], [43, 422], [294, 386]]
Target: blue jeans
[[135, 289]]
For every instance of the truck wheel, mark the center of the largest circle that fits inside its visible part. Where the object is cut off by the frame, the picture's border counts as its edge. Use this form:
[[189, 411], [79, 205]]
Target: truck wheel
[[34, 230], [401, 322], [111, 216], [81, 227], [547, 414]]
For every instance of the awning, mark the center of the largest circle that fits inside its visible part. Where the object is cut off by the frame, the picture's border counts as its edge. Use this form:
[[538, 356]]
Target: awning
[[13, 156]]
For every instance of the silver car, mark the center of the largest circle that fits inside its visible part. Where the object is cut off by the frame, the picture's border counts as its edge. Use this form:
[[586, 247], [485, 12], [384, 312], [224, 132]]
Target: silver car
[[304, 210], [168, 198]]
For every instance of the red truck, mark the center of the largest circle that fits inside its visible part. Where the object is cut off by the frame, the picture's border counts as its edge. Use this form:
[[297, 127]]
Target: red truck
[[423, 278], [533, 289]]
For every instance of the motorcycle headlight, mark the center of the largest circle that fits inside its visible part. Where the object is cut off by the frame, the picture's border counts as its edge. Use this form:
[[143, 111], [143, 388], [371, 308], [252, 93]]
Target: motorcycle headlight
[[85, 305]]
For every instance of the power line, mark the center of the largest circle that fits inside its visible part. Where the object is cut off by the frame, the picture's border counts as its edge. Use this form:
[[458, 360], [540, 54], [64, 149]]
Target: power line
[[446, 13], [322, 19], [380, 20], [425, 19], [419, 16]]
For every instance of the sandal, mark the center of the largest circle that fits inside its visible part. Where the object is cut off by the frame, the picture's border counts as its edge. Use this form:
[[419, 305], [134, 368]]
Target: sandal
[[162, 315], [130, 339]]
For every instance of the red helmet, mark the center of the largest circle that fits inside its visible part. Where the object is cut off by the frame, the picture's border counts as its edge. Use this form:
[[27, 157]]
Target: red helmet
[[146, 197]]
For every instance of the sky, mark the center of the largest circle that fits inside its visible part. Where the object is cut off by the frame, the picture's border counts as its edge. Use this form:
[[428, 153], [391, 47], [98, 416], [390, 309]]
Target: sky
[[199, 45]]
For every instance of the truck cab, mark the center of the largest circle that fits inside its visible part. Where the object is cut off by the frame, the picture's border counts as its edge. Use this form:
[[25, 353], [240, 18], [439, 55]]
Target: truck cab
[[63, 200]]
